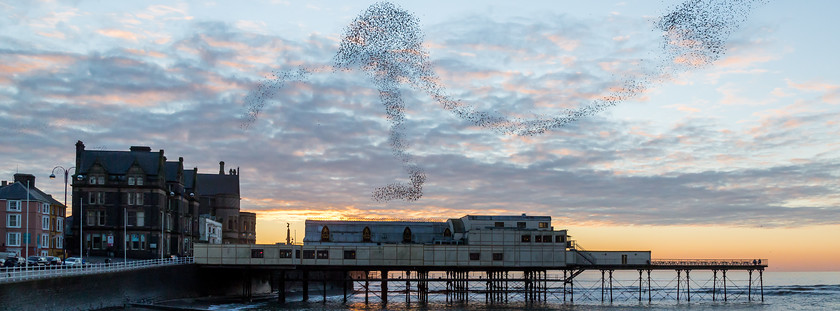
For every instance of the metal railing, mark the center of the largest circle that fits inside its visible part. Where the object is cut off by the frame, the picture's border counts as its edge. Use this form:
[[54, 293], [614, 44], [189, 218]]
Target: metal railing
[[710, 262], [19, 274]]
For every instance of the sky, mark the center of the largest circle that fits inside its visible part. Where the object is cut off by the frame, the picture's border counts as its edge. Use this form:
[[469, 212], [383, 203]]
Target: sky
[[737, 159]]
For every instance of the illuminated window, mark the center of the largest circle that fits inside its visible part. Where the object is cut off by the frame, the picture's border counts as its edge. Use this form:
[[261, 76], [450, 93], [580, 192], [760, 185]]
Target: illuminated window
[[526, 238], [351, 254], [543, 225], [323, 254], [325, 234]]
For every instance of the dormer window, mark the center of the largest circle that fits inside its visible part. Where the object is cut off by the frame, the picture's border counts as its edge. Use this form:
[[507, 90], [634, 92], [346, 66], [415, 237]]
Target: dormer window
[[135, 180], [447, 233], [325, 234], [366, 235], [407, 235]]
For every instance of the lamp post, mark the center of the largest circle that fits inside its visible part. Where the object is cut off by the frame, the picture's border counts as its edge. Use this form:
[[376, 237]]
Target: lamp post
[[27, 224], [66, 179]]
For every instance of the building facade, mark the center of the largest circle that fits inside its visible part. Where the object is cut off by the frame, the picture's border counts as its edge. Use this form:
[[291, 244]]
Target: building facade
[[219, 198], [32, 220], [139, 203]]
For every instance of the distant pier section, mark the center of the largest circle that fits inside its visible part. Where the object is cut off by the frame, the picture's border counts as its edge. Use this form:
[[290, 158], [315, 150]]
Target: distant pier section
[[496, 257]]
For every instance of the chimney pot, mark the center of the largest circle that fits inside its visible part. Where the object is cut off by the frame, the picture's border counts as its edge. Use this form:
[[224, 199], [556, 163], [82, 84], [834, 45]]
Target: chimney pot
[[221, 167]]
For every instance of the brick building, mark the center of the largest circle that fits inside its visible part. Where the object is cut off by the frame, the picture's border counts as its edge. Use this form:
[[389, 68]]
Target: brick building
[[21, 202]]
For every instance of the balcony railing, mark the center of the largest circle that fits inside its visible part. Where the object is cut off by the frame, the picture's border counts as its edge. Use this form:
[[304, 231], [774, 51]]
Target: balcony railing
[[19, 274], [710, 262]]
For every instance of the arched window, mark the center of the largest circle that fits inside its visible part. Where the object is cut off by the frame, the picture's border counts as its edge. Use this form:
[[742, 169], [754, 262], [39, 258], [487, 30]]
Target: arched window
[[447, 233], [325, 234], [366, 235], [407, 235]]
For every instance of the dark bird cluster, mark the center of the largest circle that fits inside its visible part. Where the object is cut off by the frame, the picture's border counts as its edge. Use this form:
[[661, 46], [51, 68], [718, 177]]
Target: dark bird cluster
[[385, 42]]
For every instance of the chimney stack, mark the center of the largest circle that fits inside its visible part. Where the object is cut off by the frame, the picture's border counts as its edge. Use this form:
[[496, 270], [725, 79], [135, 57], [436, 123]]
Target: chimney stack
[[140, 149], [5, 183], [221, 167], [23, 178]]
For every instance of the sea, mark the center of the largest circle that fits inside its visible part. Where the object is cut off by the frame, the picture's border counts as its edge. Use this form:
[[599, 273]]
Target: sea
[[781, 291]]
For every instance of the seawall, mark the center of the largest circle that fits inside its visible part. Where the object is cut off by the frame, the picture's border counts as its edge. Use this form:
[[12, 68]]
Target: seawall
[[97, 291]]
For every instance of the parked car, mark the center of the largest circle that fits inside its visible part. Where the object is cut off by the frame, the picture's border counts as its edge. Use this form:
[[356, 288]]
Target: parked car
[[11, 262], [73, 261], [36, 261], [53, 261]]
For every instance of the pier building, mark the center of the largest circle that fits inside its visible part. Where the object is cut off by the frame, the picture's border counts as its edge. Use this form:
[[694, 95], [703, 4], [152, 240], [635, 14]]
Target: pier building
[[494, 256]]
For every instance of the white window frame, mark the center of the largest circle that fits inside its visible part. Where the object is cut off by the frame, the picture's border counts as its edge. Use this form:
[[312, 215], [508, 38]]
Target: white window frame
[[45, 240], [9, 220], [45, 223], [59, 224], [140, 219], [139, 181], [59, 242], [131, 181], [10, 242], [45, 208], [9, 205], [138, 199], [130, 200]]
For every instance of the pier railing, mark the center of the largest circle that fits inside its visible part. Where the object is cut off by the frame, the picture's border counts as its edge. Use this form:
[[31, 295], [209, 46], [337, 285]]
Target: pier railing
[[709, 262], [19, 274]]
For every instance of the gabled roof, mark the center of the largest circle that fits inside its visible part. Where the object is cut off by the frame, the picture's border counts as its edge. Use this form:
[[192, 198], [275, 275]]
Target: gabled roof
[[17, 191], [213, 184], [118, 162], [189, 179], [171, 169]]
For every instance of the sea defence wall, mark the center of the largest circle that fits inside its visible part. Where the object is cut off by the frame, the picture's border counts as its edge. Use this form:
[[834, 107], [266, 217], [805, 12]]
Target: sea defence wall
[[114, 289]]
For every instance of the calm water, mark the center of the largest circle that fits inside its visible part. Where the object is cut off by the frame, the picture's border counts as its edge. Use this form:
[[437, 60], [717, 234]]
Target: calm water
[[782, 291]]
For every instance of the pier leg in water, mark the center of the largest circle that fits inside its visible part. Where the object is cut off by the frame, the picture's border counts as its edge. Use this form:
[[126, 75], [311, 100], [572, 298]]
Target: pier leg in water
[[384, 278], [761, 280], [611, 286], [281, 289], [688, 285], [640, 285], [749, 286], [724, 286], [678, 284], [714, 284], [344, 284], [650, 295], [367, 283], [603, 282], [324, 283], [407, 287], [305, 285]]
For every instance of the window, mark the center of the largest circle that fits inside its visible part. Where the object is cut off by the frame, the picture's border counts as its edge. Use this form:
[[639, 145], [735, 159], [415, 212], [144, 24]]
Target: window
[[325, 234], [538, 238], [140, 180], [407, 235], [135, 180], [308, 254], [130, 199], [45, 241], [96, 198], [132, 218], [91, 218], [45, 209], [366, 234], [139, 199], [134, 198], [624, 259], [142, 241], [526, 238], [447, 233], [559, 238], [59, 224], [546, 239], [520, 225], [96, 180], [13, 221], [350, 254], [141, 219], [96, 218], [499, 224], [45, 222], [297, 254], [257, 253], [285, 253], [498, 256], [13, 205], [131, 181], [475, 256], [59, 242], [13, 239], [323, 254], [543, 225], [101, 217]]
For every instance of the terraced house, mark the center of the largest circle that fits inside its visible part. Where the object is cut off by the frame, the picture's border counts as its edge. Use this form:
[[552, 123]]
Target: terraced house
[[33, 222]]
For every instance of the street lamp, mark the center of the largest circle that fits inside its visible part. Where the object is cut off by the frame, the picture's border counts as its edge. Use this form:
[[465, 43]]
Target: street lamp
[[66, 179]]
